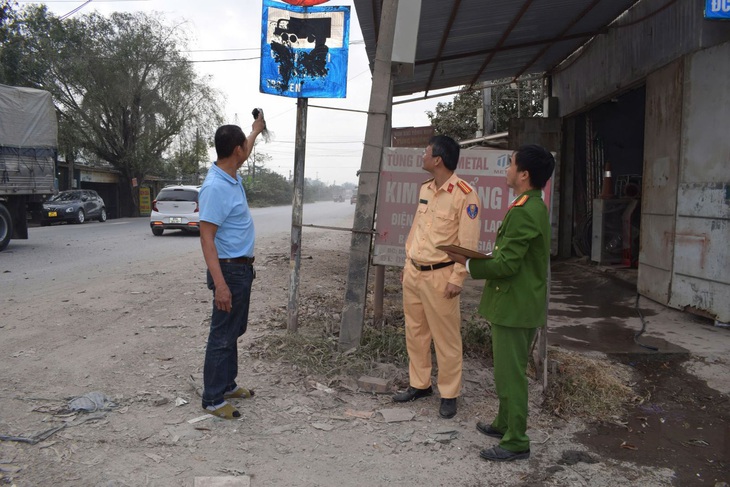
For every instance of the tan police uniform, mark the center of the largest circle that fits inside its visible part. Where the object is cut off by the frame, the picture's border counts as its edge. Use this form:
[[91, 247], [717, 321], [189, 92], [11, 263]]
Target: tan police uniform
[[448, 215]]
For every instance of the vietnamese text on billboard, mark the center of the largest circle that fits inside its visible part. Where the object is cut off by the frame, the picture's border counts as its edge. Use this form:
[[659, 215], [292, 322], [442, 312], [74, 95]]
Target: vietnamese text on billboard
[[400, 182]]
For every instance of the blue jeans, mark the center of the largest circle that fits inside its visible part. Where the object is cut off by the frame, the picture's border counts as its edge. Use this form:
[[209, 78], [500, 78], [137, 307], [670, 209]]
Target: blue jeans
[[221, 354]]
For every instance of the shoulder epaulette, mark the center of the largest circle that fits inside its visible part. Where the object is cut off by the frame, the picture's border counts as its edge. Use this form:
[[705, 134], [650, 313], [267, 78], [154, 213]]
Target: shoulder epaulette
[[521, 200], [464, 187], [427, 181]]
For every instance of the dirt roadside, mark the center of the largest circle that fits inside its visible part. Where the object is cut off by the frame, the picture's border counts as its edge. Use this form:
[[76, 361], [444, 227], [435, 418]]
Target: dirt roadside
[[123, 336]]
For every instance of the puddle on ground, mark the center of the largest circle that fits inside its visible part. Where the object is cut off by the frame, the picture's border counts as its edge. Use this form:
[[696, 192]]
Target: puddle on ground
[[596, 312], [608, 336], [682, 424], [576, 293]]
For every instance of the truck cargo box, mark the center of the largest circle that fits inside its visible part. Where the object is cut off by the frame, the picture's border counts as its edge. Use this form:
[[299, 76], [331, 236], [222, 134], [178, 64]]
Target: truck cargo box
[[28, 141]]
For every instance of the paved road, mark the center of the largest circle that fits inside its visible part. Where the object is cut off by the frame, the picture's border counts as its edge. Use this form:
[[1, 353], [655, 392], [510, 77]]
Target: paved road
[[60, 254]]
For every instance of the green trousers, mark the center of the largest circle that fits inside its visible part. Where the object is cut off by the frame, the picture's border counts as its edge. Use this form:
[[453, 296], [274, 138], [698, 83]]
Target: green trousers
[[511, 348]]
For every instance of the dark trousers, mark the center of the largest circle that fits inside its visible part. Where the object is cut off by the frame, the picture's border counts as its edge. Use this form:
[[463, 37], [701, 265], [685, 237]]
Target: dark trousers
[[221, 354]]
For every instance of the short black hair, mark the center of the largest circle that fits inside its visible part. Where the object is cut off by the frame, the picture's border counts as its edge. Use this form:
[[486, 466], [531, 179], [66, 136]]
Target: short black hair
[[447, 148], [537, 161], [227, 138]]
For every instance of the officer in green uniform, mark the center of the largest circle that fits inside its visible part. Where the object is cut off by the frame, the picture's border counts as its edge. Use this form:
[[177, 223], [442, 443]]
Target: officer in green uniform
[[514, 297]]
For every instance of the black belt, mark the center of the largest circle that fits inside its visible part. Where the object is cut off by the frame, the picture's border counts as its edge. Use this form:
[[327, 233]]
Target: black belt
[[432, 267], [238, 260]]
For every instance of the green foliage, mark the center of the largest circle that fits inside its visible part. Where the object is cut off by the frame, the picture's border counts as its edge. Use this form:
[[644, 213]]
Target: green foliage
[[189, 153], [18, 48], [268, 188], [123, 90], [8, 30], [457, 119], [263, 186], [522, 100], [315, 190], [384, 344]]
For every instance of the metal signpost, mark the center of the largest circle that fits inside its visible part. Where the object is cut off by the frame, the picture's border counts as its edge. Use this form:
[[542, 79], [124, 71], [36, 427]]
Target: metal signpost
[[304, 54]]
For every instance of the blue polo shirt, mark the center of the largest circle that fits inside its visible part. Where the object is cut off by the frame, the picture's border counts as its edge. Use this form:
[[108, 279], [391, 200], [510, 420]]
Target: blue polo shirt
[[223, 203]]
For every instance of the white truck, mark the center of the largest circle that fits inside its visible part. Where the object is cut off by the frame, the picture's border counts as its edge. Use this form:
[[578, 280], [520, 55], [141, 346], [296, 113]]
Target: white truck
[[28, 151]]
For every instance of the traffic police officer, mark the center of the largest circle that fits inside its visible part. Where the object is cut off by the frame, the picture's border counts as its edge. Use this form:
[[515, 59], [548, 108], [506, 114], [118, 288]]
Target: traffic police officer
[[447, 214]]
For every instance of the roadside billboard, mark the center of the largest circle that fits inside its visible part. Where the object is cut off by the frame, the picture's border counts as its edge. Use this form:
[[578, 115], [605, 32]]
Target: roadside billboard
[[400, 182], [145, 201], [411, 136]]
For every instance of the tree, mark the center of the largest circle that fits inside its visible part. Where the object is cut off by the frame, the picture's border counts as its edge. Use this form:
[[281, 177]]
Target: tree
[[256, 161], [10, 38], [515, 100], [7, 21], [268, 188], [189, 152], [265, 187], [457, 119], [123, 90], [316, 190]]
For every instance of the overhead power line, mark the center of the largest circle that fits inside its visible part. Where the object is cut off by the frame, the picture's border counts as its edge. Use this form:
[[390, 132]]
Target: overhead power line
[[69, 14], [247, 48], [226, 60]]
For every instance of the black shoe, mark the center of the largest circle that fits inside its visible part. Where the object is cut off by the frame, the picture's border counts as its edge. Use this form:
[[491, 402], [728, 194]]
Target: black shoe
[[499, 454], [448, 408], [487, 429], [411, 394]]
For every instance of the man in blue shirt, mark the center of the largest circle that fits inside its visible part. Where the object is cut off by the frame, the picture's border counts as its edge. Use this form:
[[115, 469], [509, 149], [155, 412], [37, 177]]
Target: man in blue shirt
[[227, 239]]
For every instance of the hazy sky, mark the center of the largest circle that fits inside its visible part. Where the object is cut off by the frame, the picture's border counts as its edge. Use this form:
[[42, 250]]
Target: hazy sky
[[225, 43]]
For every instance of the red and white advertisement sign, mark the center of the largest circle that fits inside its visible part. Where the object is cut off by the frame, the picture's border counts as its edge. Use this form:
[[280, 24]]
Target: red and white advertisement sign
[[400, 182]]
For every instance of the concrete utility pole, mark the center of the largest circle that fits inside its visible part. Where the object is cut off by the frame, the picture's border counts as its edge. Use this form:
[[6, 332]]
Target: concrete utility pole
[[353, 314], [487, 122]]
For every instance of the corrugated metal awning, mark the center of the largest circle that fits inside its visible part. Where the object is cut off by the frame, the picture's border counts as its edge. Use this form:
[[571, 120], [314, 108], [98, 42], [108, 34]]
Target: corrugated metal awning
[[464, 42]]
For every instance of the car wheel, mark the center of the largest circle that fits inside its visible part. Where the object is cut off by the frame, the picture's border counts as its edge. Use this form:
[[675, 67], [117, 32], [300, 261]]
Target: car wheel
[[80, 217], [102, 216], [6, 227], [157, 231]]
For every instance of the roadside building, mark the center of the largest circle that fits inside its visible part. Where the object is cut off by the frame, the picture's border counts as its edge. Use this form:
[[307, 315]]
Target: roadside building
[[637, 106]]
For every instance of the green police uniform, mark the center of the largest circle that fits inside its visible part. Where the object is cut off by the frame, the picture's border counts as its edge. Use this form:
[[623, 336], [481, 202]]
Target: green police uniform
[[513, 302]]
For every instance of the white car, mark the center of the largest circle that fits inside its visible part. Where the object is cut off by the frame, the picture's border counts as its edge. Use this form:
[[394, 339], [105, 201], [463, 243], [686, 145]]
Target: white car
[[176, 207]]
